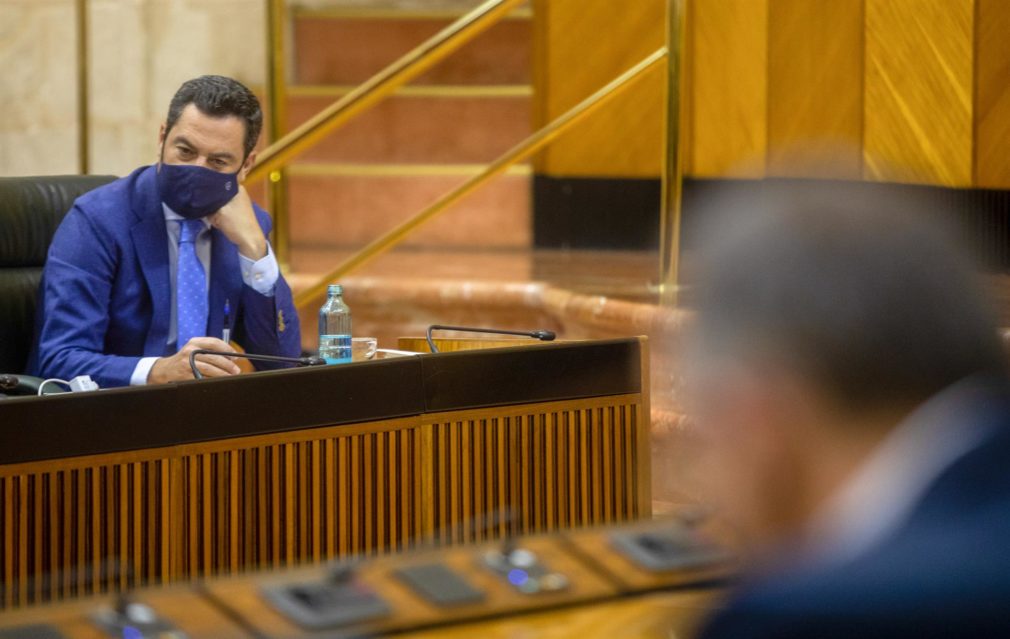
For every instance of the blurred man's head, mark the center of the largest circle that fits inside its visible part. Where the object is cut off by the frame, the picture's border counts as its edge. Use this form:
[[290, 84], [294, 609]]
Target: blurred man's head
[[823, 320]]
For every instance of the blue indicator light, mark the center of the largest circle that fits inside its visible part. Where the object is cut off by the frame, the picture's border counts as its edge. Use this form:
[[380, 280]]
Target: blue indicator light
[[518, 577], [129, 632]]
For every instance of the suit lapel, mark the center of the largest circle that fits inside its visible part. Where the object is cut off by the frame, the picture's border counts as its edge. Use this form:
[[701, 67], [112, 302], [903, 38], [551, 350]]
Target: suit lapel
[[225, 282], [150, 241]]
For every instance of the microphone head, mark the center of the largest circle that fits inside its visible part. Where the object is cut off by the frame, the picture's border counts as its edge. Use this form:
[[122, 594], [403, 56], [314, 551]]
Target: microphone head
[[313, 361], [544, 336]]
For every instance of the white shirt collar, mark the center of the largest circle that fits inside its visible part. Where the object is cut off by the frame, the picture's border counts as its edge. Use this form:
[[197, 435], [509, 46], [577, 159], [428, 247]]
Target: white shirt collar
[[883, 492], [172, 216]]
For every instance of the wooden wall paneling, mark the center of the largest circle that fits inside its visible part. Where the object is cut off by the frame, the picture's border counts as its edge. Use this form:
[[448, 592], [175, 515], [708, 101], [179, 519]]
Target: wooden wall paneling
[[918, 103], [584, 45], [815, 88], [728, 94], [992, 94]]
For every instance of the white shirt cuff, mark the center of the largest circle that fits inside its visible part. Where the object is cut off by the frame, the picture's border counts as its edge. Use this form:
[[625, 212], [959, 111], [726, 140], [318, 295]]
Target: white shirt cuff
[[260, 275], [143, 369]]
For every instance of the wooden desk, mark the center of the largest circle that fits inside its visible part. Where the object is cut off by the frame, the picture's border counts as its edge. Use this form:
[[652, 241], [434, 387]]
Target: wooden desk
[[594, 603], [220, 476]]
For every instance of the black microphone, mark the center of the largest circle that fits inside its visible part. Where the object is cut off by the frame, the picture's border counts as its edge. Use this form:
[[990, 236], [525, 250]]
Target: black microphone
[[543, 336], [297, 361]]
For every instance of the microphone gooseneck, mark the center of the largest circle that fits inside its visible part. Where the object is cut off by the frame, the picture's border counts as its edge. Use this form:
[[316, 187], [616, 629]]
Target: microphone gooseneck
[[297, 361], [542, 335]]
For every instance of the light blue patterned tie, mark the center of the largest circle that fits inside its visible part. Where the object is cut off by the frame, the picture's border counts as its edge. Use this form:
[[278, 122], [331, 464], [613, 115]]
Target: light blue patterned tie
[[191, 285]]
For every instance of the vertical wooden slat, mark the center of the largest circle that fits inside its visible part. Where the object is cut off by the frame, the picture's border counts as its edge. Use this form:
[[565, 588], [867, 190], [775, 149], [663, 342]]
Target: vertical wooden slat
[[193, 524], [728, 97], [919, 78], [289, 540], [22, 540], [466, 478], [233, 510], [478, 444], [80, 564], [303, 490], [356, 487], [315, 487], [343, 494], [53, 566], [381, 473], [992, 94], [607, 453], [452, 457], [815, 88], [38, 524], [368, 446], [422, 490], [331, 502], [395, 505], [584, 421], [574, 488], [265, 484], [95, 534]]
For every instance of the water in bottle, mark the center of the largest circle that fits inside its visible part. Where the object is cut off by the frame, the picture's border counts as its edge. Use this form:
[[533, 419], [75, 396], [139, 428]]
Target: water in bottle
[[335, 327]]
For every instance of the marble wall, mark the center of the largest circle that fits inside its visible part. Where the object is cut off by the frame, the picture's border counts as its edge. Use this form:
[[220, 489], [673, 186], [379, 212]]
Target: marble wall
[[141, 50]]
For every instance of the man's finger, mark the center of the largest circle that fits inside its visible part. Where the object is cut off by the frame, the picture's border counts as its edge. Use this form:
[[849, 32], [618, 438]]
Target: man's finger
[[208, 369], [225, 364]]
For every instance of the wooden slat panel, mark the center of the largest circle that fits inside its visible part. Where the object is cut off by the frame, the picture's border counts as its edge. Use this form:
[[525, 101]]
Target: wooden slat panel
[[218, 510], [727, 113], [585, 46], [815, 88], [992, 94], [919, 73]]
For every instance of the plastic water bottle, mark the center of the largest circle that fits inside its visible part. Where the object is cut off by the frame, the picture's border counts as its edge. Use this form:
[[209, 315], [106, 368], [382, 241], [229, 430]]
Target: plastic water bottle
[[335, 327]]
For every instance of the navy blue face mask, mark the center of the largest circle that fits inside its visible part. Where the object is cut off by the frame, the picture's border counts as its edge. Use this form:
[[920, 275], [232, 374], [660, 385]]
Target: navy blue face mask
[[194, 191]]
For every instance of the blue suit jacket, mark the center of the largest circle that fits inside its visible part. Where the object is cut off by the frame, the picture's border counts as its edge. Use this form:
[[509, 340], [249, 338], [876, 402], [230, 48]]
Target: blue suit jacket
[[945, 573], [105, 296]]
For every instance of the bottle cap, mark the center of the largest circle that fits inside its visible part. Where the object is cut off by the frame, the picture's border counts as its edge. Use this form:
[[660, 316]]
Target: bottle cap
[[334, 289]]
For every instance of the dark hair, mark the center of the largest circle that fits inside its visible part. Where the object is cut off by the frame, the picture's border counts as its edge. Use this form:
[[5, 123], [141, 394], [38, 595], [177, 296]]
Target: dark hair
[[218, 96], [870, 297]]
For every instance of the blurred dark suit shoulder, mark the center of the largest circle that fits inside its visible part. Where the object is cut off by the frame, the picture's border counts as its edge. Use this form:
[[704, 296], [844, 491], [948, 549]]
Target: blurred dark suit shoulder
[[944, 573]]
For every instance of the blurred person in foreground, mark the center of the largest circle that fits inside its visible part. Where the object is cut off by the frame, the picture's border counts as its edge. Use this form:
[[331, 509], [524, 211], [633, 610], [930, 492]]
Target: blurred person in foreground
[[850, 389]]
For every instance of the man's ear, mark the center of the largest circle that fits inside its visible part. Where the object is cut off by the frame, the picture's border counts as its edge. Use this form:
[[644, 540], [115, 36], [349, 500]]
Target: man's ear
[[161, 141], [247, 166]]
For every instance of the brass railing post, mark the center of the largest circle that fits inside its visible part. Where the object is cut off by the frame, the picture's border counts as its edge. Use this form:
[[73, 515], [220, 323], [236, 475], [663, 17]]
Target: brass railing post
[[83, 141], [673, 170], [277, 185]]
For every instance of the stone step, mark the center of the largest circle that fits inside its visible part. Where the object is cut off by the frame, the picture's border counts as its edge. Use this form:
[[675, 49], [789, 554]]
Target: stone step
[[453, 125], [348, 45], [334, 205]]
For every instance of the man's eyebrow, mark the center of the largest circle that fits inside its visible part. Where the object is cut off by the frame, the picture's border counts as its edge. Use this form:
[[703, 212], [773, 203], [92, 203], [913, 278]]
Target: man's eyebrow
[[224, 155], [180, 139]]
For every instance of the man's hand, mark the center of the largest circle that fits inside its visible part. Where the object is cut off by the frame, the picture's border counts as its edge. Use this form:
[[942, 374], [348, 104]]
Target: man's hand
[[176, 367], [237, 221]]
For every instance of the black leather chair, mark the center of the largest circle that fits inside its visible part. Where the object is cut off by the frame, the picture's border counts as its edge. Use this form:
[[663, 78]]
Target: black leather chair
[[31, 208]]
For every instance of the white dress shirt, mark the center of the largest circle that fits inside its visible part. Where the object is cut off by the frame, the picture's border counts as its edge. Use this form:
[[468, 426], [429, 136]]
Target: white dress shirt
[[260, 275]]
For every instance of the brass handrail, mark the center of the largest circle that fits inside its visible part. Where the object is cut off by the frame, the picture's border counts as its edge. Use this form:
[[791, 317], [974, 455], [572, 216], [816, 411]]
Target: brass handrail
[[517, 153], [673, 160], [411, 65]]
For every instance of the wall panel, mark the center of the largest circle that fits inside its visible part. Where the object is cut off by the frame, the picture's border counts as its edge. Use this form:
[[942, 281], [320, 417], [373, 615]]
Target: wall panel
[[815, 88], [992, 94], [918, 104], [728, 92]]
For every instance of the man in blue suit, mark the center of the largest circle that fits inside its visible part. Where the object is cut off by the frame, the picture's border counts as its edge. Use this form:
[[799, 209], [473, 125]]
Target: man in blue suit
[[850, 388], [147, 269]]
